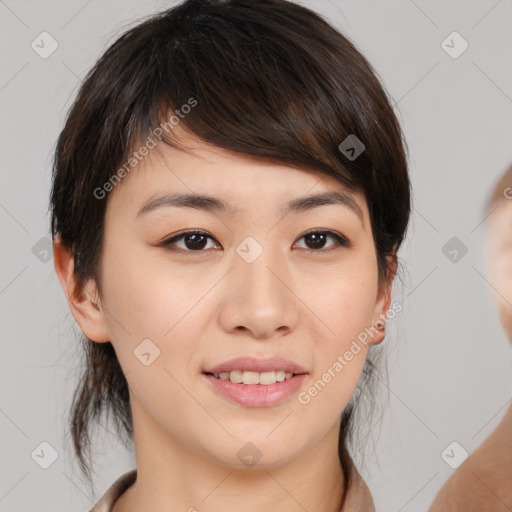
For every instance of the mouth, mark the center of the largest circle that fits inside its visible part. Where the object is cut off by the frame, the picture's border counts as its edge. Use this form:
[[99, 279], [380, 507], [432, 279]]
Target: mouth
[[253, 382], [254, 378], [241, 368]]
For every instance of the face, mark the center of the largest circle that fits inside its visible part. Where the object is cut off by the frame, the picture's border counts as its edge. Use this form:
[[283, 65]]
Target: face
[[285, 288], [499, 260]]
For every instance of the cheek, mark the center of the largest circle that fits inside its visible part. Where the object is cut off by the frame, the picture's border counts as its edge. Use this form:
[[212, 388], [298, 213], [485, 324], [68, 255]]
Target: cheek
[[348, 307], [148, 300], [347, 312], [344, 305], [155, 322], [345, 299]]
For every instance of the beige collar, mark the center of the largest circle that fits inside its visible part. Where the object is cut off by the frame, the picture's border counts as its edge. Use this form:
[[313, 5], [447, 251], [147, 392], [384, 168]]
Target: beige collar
[[357, 499]]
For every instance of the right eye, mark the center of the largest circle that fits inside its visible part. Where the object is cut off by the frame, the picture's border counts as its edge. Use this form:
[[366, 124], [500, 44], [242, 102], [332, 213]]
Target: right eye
[[194, 241]]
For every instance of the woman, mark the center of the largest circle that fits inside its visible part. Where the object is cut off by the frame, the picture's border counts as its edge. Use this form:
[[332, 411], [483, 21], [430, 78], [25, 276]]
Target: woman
[[230, 192]]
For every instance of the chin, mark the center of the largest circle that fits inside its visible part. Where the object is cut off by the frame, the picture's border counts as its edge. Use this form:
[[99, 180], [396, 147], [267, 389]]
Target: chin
[[255, 456]]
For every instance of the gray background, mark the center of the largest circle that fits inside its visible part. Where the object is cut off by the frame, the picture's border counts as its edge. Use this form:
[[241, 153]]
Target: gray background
[[450, 366]]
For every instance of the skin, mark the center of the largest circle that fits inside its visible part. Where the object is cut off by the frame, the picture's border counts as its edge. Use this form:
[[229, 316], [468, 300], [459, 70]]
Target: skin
[[499, 257], [213, 305], [483, 481]]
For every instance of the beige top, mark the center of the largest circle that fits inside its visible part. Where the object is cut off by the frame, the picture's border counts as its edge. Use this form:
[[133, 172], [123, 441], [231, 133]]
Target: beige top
[[113, 493], [358, 499]]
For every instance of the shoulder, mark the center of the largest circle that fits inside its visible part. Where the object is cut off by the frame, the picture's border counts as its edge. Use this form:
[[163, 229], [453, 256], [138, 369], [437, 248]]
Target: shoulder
[[106, 502], [480, 484], [462, 492]]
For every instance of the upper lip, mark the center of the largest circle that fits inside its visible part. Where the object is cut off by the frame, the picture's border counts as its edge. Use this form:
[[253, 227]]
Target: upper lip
[[253, 364]]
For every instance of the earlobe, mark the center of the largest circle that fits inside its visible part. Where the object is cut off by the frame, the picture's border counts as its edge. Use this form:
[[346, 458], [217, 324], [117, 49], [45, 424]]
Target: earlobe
[[83, 302]]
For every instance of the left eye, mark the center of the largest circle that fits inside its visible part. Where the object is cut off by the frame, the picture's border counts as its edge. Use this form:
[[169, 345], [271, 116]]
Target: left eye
[[196, 241]]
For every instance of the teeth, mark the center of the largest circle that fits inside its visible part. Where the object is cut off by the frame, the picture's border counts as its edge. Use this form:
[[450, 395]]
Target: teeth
[[236, 377], [267, 378], [251, 377], [264, 378], [280, 375]]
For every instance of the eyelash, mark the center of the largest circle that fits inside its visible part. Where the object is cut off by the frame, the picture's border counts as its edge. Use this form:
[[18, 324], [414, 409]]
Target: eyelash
[[341, 241]]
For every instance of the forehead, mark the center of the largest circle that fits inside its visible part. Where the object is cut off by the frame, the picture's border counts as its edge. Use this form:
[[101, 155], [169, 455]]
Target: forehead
[[239, 182]]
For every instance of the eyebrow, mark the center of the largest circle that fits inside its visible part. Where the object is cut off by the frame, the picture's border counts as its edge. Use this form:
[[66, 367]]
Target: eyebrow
[[214, 204]]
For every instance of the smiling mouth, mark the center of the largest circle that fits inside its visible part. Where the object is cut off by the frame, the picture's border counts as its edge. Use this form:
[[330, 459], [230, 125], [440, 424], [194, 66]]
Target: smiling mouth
[[253, 378]]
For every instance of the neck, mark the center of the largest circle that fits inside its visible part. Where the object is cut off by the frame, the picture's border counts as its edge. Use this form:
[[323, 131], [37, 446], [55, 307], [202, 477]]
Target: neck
[[171, 476]]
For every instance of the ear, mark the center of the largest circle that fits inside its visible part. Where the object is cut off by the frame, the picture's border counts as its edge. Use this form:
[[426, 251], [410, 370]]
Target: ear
[[84, 302], [378, 325]]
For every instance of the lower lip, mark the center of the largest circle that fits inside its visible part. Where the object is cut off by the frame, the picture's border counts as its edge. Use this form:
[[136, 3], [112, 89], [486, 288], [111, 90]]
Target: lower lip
[[257, 395]]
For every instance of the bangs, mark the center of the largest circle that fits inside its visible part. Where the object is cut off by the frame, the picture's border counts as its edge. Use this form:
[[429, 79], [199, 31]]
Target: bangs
[[259, 86]]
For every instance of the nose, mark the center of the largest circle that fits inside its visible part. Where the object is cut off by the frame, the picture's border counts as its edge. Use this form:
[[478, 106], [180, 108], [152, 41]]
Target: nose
[[258, 297]]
